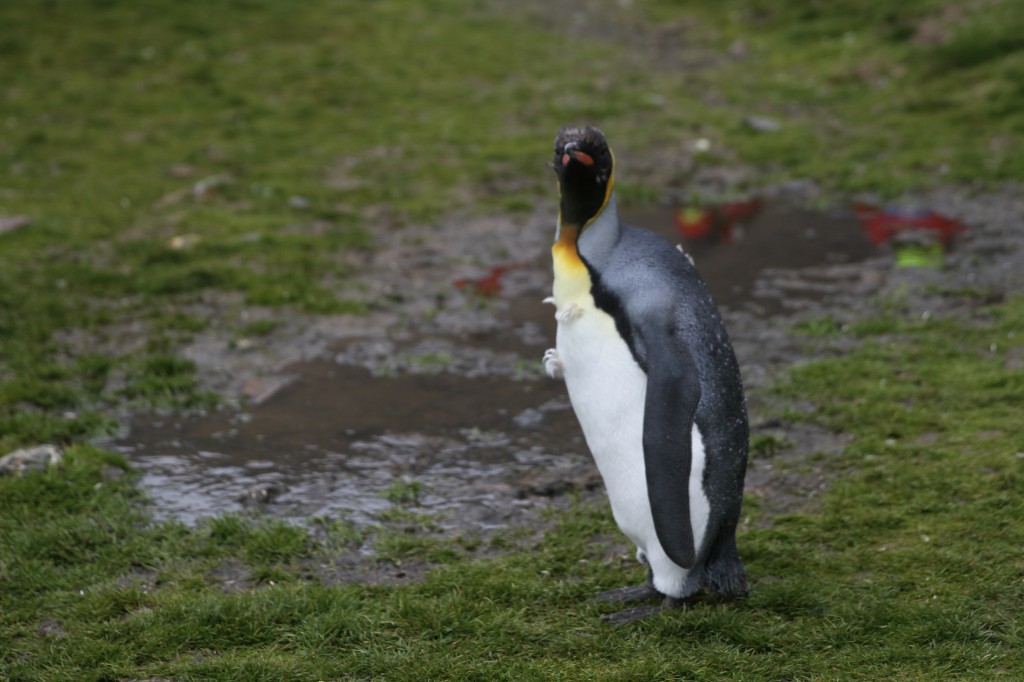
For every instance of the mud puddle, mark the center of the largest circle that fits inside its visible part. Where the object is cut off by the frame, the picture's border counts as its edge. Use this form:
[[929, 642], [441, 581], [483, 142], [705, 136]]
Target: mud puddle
[[734, 253], [453, 403], [339, 442]]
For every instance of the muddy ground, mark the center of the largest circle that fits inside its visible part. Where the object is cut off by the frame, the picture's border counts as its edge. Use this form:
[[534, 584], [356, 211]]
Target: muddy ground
[[436, 401], [439, 390]]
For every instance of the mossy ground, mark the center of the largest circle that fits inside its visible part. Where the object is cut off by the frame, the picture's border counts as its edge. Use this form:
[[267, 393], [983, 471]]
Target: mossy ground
[[180, 152], [910, 570], [174, 151], [870, 95]]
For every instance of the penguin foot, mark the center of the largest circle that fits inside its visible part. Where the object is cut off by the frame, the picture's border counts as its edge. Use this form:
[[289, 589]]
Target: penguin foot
[[569, 313], [628, 595], [553, 363], [633, 615], [638, 613]]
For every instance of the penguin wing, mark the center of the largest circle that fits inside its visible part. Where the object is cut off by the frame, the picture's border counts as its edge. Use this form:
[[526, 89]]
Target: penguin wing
[[673, 391]]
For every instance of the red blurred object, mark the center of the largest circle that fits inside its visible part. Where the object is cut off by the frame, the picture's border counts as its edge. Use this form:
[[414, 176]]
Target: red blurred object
[[693, 222], [490, 284], [715, 221], [741, 210], [882, 224]]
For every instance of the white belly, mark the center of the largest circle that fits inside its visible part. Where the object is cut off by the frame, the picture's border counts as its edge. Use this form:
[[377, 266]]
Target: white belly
[[607, 390]]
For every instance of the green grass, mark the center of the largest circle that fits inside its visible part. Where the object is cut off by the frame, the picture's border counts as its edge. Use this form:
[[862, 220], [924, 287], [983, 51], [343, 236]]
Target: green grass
[[911, 570], [175, 154], [178, 154], [873, 96]]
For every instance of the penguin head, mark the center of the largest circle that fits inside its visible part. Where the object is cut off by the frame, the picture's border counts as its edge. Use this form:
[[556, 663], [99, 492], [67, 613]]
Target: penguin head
[[584, 165]]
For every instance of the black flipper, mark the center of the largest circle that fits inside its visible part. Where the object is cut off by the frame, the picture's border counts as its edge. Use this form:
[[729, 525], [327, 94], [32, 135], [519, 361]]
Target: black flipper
[[673, 392]]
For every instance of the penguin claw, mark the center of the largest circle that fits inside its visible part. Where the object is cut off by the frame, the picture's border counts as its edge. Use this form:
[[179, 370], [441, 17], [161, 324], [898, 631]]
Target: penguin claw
[[553, 363], [638, 613], [549, 299], [569, 313], [632, 615], [627, 595]]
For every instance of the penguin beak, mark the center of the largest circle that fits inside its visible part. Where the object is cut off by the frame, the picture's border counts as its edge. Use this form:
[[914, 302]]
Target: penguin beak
[[570, 152], [583, 157]]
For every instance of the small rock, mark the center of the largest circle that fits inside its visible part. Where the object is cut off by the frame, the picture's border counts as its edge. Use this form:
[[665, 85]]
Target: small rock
[[181, 170], [28, 460], [528, 418], [701, 145], [556, 486], [9, 223], [51, 628], [298, 202], [111, 472], [183, 241], [243, 343], [798, 189], [762, 124], [201, 189], [261, 389], [259, 496]]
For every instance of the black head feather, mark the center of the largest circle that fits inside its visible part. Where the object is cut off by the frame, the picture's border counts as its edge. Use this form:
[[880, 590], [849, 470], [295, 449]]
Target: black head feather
[[583, 163]]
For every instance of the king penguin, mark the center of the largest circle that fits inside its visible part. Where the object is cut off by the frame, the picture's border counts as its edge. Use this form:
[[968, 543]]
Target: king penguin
[[654, 383]]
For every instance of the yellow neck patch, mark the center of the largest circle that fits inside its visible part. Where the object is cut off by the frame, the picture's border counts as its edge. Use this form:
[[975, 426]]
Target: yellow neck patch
[[572, 281]]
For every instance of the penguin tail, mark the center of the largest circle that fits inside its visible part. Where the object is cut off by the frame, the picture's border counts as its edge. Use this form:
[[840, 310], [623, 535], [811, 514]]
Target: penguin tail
[[724, 573]]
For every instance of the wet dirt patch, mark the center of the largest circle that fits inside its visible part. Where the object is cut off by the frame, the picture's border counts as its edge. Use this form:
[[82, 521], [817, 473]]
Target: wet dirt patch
[[780, 258], [449, 392], [443, 387], [335, 441]]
